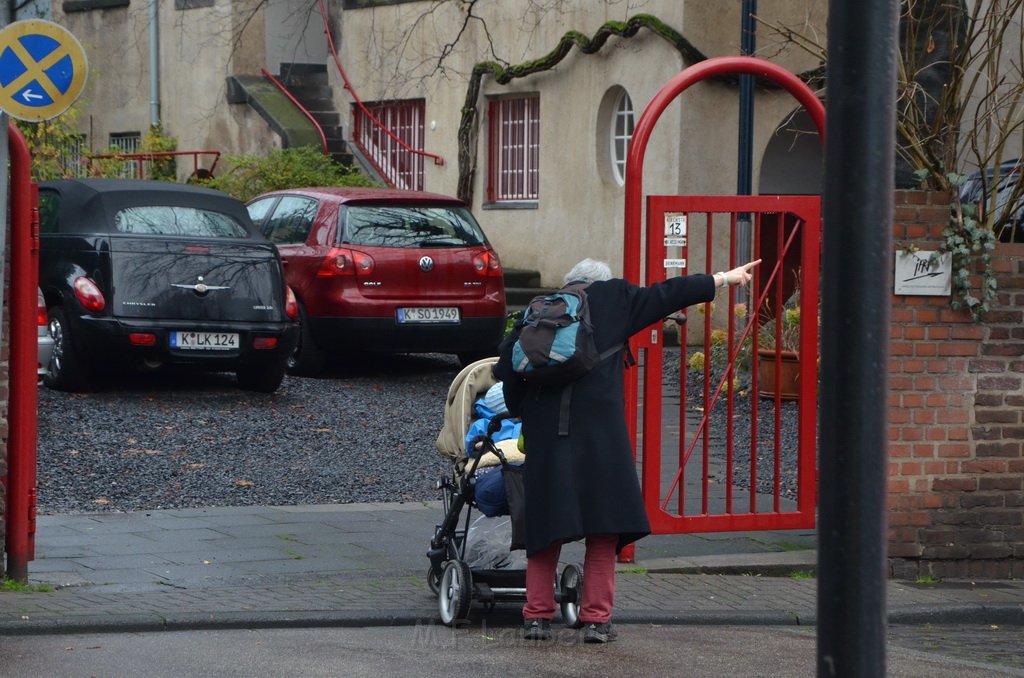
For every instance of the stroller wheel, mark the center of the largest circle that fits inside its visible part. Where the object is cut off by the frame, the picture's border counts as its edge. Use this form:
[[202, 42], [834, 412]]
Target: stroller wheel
[[433, 580], [455, 594], [571, 595]]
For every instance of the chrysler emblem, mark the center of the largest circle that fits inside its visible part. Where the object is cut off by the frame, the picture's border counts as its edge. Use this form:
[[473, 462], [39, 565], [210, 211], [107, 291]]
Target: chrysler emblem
[[426, 263], [200, 288]]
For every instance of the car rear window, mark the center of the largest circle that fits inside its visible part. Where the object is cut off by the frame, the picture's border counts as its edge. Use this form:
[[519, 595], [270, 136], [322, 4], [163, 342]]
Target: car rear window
[[169, 220], [409, 226]]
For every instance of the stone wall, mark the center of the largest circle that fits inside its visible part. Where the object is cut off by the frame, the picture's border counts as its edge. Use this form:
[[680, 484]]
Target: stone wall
[[956, 419]]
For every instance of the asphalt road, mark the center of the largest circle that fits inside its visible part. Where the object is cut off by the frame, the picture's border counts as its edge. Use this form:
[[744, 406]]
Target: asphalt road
[[431, 651]]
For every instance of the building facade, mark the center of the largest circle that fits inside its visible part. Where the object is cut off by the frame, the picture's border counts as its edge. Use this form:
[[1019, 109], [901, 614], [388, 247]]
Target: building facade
[[542, 161]]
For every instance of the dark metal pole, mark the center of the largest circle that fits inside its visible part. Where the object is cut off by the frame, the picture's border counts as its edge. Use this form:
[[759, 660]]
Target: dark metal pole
[[856, 287], [745, 146], [744, 156]]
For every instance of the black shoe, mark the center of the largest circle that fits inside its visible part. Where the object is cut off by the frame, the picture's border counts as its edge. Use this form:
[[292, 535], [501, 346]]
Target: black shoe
[[537, 629], [599, 633]]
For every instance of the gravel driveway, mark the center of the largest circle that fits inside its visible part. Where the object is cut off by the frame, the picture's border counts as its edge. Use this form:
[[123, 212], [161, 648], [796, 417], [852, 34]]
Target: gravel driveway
[[190, 440], [365, 434]]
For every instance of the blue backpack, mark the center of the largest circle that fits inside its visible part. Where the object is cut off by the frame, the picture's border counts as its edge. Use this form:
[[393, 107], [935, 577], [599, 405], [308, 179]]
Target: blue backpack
[[556, 339], [556, 344]]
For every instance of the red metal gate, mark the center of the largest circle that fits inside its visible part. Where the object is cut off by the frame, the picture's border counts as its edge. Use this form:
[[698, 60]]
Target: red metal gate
[[717, 455]]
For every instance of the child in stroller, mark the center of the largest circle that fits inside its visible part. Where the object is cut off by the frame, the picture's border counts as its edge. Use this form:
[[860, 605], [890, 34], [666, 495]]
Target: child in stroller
[[471, 486]]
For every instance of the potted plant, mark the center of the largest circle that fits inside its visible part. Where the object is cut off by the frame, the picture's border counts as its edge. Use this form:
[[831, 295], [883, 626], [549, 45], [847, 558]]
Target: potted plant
[[778, 352]]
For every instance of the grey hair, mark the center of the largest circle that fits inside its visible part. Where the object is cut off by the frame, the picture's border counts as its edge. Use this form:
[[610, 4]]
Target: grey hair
[[588, 271]]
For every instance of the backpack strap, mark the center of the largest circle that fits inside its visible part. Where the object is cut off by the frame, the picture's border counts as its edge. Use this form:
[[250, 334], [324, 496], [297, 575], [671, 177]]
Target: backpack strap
[[563, 410], [566, 401]]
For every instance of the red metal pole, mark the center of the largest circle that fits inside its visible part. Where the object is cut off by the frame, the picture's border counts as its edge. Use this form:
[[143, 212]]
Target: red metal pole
[[22, 413]]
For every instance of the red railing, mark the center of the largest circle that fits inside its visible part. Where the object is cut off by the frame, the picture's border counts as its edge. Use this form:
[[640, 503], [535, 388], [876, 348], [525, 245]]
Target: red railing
[[402, 169], [316, 125], [438, 160], [140, 158]]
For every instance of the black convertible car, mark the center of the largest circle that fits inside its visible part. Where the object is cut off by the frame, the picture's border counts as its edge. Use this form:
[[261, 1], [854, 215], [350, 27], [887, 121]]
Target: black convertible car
[[148, 273]]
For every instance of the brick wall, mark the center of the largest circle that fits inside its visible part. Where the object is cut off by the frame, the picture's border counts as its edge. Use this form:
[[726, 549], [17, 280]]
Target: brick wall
[[956, 419]]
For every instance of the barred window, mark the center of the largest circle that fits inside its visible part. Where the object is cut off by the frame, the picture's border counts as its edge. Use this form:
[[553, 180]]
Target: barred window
[[514, 141], [127, 142]]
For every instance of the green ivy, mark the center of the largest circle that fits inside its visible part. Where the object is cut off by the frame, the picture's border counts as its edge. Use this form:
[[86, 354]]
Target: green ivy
[[970, 243]]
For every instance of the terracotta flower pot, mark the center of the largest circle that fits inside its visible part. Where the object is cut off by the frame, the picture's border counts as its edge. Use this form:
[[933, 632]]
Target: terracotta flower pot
[[789, 374]]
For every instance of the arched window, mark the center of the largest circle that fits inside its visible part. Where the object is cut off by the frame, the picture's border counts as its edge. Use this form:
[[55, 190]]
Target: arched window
[[621, 132]]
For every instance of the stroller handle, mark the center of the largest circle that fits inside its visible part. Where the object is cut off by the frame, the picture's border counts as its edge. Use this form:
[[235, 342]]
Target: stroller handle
[[495, 424]]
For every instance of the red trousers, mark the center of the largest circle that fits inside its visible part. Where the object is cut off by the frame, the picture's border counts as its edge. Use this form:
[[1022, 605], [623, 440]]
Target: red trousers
[[598, 581]]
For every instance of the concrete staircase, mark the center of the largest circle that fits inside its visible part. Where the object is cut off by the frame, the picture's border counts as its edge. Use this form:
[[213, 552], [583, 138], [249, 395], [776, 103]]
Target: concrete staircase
[[521, 285], [309, 85]]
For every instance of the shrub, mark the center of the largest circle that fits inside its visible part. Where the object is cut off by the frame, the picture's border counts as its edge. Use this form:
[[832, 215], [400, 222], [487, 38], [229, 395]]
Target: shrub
[[156, 140], [306, 166]]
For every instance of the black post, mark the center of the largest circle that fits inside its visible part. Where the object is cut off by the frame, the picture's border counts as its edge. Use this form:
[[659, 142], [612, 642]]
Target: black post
[[744, 158], [856, 287], [745, 145]]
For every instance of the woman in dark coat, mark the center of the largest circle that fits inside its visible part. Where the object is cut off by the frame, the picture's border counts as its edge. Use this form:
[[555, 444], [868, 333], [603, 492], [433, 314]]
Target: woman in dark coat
[[584, 484]]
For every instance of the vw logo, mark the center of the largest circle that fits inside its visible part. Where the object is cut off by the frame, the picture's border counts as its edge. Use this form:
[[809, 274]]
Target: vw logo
[[426, 263]]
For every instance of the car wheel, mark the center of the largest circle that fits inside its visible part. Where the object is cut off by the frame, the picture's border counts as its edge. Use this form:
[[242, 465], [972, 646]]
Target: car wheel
[[67, 370], [307, 359], [263, 377]]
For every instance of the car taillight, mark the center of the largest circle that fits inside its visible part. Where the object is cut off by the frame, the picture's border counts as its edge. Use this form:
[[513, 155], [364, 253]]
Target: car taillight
[[41, 319], [291, 305], [89, 295], [346, 262], [264, 342], [487, 264]]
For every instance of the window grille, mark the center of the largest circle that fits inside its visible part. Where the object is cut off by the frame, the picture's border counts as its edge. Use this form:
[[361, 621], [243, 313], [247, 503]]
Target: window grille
[[71, 157], [514, 172], [127, 142]]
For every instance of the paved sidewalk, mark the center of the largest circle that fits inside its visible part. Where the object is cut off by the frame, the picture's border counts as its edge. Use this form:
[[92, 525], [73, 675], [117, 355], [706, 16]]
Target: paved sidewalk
[[365, 564]]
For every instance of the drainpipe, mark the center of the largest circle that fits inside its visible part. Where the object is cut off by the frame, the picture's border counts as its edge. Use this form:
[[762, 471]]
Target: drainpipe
[[154, 63]]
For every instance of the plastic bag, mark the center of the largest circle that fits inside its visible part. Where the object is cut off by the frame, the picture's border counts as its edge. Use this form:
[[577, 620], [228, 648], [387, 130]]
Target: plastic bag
[[487, 545]]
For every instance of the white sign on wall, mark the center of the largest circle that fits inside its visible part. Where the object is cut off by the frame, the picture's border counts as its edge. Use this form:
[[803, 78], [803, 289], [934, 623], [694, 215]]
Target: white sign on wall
[[920, 273]]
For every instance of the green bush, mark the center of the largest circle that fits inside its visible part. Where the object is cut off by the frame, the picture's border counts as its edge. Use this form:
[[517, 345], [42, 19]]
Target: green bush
[[50, 144], [157, 140], [252, 175]]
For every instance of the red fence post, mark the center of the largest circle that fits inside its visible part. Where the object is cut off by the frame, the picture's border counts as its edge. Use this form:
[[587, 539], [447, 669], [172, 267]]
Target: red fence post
[[22, 413]]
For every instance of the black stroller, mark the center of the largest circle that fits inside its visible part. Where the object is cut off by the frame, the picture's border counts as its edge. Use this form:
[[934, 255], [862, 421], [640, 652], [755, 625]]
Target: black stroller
[[456, 581]]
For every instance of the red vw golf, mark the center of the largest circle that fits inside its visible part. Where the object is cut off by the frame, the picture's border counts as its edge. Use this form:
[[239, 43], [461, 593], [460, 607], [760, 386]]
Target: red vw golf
[[384, 270]]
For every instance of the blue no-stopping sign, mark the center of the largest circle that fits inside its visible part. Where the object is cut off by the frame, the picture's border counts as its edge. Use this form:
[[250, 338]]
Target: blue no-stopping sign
[[43, 69]]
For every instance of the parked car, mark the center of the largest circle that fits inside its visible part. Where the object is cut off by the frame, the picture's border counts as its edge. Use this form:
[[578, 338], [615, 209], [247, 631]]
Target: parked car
[[45, 341], [384, 270], [1009, 177], [151, 273]]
